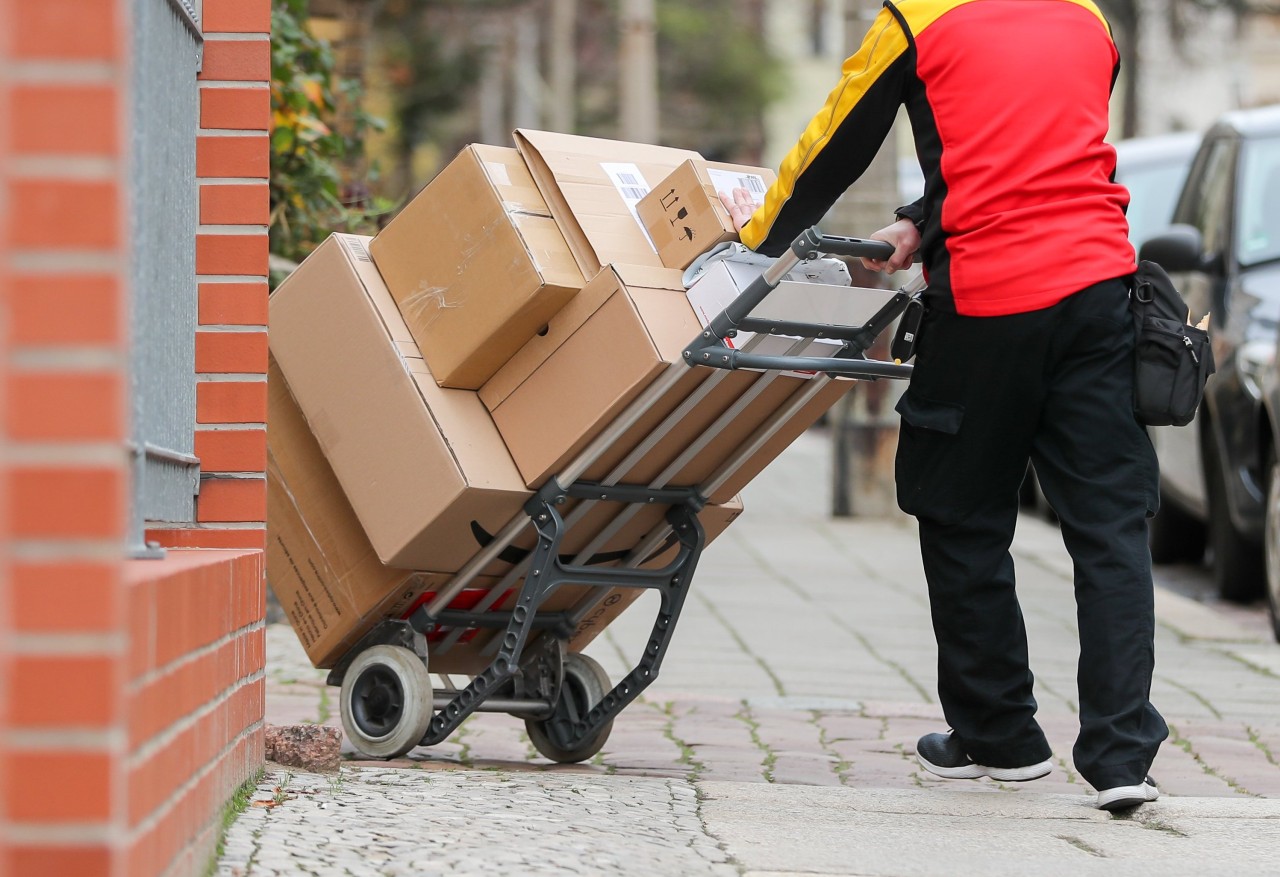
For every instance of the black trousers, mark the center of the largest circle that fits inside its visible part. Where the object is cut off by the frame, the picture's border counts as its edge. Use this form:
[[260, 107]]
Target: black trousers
[[1054, 386]]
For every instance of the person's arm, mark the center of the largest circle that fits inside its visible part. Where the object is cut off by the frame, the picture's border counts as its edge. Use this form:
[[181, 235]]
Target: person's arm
[[839, 143]]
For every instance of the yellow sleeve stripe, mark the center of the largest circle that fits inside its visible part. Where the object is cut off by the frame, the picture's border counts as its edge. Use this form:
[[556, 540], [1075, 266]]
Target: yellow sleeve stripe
[[884, 44]]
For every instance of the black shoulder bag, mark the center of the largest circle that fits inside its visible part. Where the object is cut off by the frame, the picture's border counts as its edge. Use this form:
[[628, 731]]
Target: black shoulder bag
[[1173, 360]]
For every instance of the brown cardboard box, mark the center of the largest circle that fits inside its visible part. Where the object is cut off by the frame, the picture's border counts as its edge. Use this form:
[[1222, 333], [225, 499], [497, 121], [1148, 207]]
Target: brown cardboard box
[[592, 187], [417, 462], [684, 215], [320, 564], [631, 337], [476, 264], [327, 575]]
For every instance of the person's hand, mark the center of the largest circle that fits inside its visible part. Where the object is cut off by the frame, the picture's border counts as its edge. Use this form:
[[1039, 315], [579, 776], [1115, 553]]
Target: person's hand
[[741, 207], [905, 238]]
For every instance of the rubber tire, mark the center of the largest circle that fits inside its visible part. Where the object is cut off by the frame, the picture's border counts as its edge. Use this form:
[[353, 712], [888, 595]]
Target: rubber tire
[[586, 682], [1238, 567], [1271, 542], [402, 669], [1175, 536]]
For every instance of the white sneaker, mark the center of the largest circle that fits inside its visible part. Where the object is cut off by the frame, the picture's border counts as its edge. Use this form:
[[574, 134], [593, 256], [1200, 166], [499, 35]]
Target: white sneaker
[[1125, 797]]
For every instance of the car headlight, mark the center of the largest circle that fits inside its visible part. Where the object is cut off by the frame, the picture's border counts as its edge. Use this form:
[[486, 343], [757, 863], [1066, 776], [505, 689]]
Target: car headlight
[[1253, 360]]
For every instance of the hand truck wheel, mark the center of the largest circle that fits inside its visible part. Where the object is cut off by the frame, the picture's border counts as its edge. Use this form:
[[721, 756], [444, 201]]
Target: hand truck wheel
[[386, 701], [585, 685]]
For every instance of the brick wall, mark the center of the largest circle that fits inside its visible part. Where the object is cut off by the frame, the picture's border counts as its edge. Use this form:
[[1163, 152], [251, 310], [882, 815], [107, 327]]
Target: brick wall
[[131, 692], [231, 261]]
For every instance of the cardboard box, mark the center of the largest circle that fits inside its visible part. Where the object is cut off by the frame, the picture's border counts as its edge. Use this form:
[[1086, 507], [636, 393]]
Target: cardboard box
[[684, 215], [418, 463], [592, 187], [476, 264], [330, 582], [632, 336], [320, 563], [721, 282]]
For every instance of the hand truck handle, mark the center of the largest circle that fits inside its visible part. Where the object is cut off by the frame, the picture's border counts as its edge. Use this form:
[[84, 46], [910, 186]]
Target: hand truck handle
[[709, 348]]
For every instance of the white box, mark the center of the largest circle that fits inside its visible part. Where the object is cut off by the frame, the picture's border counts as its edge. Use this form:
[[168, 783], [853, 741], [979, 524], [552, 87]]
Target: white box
[[797, 301]]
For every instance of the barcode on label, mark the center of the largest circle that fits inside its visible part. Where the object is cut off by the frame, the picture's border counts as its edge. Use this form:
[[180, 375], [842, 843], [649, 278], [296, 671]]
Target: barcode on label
[[357, 249], [629, 180], [633, 193], [752, 183]]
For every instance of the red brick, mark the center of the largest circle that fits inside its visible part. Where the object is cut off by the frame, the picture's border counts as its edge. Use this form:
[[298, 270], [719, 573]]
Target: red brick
[[233, 304], [196, 537], [66, 29], [67, 309], [231, 402], [237, 109], [140, 599], [237, 16], [61, 214], [235, 204], [64, 691], [231, 254], [246, 156], [231, 352], [59, 861], [59, 786], [61, 406], [66, 597], [232, 500], [237, 60], [232, 450], [50, 502], [65, 120]]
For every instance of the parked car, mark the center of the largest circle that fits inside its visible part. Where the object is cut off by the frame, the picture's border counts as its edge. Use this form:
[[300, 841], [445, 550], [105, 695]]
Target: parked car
[[1223, 252], [1271, 528], [1153, 169]]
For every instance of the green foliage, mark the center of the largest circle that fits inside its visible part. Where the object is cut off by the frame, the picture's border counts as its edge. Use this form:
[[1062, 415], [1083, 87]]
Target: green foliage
[[318, 129]]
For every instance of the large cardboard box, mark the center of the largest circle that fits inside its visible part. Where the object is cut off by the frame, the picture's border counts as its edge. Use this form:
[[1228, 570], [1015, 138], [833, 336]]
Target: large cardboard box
[[418, 463], [592, 187], [684, 215], [476, 264], [634, 333], [333, 587], [320, 564]]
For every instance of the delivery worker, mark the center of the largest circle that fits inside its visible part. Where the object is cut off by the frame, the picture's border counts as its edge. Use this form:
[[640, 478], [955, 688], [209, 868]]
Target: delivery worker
[[1025, 351]]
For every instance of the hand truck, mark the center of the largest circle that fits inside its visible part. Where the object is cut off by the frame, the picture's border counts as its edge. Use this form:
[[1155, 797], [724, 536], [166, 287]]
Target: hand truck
[[387, 702]]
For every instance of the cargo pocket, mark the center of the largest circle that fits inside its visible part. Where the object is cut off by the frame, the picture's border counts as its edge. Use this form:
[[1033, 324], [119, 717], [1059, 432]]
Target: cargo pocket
[[931, 468]]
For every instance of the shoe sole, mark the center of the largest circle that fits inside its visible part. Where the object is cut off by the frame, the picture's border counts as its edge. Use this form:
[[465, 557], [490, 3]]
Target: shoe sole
[[1126, 797], [977, 771]]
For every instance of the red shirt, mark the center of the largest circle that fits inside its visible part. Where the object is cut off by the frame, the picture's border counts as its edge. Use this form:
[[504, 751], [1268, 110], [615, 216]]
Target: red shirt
[[1008, 101]]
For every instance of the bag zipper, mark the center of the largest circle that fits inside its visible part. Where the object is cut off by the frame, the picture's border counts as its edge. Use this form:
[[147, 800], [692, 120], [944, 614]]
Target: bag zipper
[[1191, 348]]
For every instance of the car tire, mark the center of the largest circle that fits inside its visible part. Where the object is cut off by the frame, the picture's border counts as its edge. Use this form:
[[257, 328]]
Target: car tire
[[1238, 568], [1175, 536], [1271, 542]]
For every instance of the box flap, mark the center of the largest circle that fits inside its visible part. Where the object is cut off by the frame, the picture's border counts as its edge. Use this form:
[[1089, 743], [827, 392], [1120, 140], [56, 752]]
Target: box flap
[[592, 185]]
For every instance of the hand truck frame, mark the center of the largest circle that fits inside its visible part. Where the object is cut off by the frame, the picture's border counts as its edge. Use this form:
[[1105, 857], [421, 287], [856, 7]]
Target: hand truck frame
[[388, 704]]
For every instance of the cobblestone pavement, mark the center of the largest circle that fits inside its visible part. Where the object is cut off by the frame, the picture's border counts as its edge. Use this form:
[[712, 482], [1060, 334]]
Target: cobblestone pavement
[[804, 659]]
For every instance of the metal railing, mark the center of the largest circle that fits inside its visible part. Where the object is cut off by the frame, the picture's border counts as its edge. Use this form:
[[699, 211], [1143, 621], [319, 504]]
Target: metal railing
[[164, 117]]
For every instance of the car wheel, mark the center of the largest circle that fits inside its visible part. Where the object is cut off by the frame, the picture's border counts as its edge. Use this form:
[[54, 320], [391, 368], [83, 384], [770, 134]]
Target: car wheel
[[1238, 571], [1175, 536], [1271, 542]]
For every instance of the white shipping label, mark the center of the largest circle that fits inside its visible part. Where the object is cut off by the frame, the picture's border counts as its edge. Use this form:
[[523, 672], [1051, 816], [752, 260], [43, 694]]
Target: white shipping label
[[726, 181], [632, 186]]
